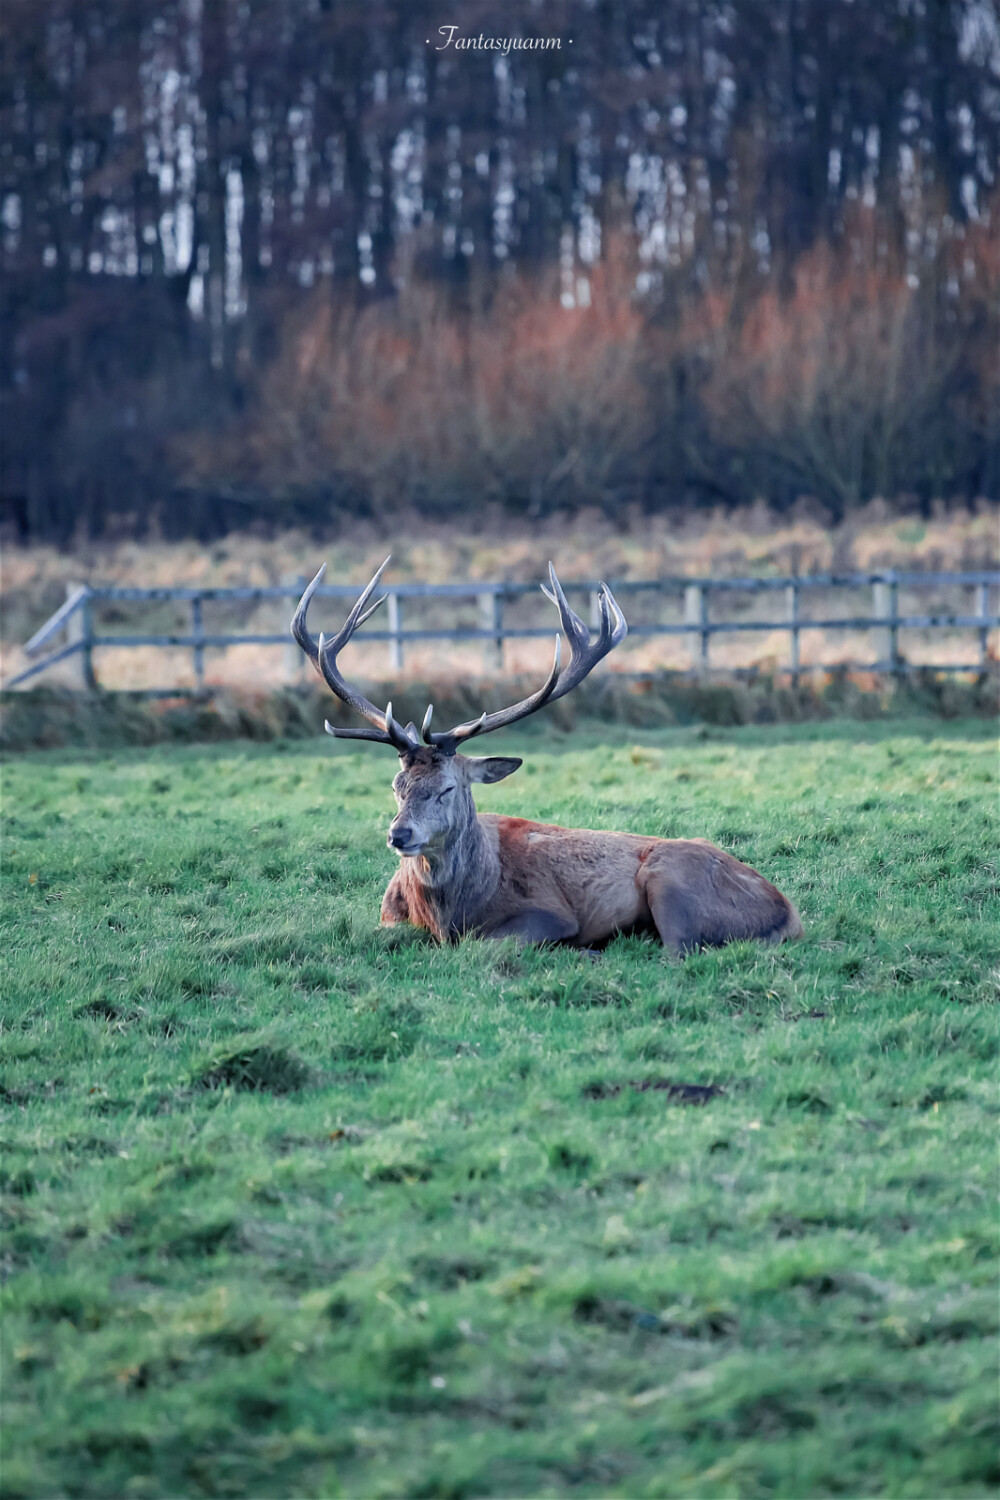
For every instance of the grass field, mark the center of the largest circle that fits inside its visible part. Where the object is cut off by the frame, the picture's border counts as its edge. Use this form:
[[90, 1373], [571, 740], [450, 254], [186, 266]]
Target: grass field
[[298, 1207]]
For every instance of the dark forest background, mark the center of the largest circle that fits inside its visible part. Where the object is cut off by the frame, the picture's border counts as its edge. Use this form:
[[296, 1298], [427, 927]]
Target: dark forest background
[[271, 260]]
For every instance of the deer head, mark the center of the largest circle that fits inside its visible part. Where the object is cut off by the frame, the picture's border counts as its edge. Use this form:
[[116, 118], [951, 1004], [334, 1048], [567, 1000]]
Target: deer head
[[433, 793], [433, 785]]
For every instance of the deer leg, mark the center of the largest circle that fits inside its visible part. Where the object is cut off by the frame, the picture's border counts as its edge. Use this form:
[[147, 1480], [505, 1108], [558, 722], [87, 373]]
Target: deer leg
[[675, 914], [713, 899], [536, 926], [395, 907]]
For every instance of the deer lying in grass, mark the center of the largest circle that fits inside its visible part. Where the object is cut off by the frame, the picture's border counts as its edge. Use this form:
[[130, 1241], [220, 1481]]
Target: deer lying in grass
[[493, 876]]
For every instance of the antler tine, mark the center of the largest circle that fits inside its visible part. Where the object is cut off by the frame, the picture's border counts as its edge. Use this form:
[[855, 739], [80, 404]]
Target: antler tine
[[584, 656], [397, 733], [323, 654], [571, 623], [356, 734], [299, 629]]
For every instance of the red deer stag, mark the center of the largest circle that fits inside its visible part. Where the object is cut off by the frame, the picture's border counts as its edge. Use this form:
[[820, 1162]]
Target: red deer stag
[[493, 876]]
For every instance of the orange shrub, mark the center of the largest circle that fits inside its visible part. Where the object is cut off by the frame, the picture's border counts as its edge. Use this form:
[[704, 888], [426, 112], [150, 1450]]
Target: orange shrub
[[847, 379]]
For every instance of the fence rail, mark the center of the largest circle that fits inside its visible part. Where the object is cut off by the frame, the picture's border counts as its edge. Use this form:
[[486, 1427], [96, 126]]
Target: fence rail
[[76, 618]]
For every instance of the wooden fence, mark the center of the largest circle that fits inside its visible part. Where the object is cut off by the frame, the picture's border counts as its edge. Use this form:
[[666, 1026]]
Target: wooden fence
[[76, 621]]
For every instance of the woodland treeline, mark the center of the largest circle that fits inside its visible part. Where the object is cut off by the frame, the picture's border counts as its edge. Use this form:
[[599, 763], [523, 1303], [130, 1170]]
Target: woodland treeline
[[275, 260]]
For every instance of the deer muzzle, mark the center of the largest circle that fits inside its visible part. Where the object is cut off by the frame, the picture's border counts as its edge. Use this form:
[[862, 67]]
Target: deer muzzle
[[402, 839]]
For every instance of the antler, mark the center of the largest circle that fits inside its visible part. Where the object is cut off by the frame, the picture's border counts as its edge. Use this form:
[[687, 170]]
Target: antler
[[584, 657], [323, 655]]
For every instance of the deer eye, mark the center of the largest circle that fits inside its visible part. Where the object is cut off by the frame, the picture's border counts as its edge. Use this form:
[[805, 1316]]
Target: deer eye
[[446, 793]]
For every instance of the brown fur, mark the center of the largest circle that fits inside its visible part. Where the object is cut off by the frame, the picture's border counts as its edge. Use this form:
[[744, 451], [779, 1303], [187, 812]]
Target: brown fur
[[502, 876]]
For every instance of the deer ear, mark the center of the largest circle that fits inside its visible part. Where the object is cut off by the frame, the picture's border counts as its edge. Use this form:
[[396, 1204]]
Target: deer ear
[[491, 767]]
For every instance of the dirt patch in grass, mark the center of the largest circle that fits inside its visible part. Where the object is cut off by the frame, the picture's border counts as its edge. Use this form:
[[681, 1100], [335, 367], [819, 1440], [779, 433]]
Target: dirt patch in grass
[[677, 1093], [256, 1069], [619, 1315]]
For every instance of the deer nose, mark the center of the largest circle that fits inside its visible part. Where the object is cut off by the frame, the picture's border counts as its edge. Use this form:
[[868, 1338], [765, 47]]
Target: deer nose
[[400, 837]]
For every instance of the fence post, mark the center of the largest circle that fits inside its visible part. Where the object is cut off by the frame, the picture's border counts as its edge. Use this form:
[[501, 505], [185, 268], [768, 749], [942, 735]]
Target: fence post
[[293, 657], [80, 630], [198, 649], [887, 634], [491, 619], [982, 610], [395, 610], [696, 618], [792, 614]]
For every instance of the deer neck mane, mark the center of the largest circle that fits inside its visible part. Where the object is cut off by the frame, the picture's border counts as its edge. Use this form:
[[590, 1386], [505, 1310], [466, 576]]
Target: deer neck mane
[[449, 889]]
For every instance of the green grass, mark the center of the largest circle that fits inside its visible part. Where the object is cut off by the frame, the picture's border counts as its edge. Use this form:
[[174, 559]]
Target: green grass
[[297, 1207]]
